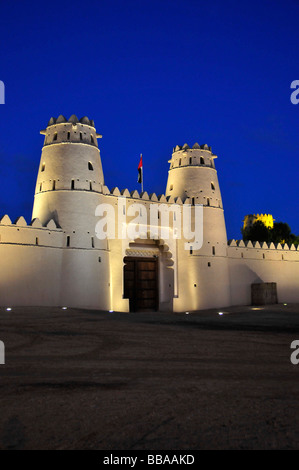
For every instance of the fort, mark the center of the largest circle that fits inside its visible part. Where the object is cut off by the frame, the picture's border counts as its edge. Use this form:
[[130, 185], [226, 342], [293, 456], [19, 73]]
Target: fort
[[58, 259]]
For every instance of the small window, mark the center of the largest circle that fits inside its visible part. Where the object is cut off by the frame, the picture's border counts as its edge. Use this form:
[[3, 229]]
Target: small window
[[212, 186], [100, 259], [193, 201], [54, 185], [68, 135], [92, 242], [91, 139], [180, 162], [242, 255], [41, 186], [43, 167], [90, 186], [213, 250], [191, 250], [208, 201], [190, 160], [90, 166], [81, 136], [73, 184], [202, 161], [68, 240], [263, 255], [55, 136], [209, 264], [171, 187], [36, 241]]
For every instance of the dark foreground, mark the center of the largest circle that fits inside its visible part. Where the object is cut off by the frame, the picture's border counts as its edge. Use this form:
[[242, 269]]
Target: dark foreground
[[155, 381]]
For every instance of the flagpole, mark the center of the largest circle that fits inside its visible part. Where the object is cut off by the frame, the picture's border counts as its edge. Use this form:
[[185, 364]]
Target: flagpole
[[141, 174]]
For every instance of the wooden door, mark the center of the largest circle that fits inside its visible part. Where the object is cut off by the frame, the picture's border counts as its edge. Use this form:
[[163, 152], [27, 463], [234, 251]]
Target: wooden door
[[141, 283]]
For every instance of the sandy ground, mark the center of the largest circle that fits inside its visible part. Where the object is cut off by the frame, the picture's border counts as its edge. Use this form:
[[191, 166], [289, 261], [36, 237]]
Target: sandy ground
[[77, 379]]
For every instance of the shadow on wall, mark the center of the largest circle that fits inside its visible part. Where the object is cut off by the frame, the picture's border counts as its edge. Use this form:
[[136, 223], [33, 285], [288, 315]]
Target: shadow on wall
[[241, 278]]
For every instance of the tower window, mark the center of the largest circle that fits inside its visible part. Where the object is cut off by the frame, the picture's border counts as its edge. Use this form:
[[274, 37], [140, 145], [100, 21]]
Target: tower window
[[208, 201], [90, 166], [43, 167], [190, 160], [213, 250], [193, 201], [91, 139], [202, 161], [90, 185], [92, 242], [180, 162], [36, 241], [81, 136], [212, 186], [68, 135], [171, 187], [68, 240], [54, 185], [55, 136], [191, 250], [73, 184], [41, 186]]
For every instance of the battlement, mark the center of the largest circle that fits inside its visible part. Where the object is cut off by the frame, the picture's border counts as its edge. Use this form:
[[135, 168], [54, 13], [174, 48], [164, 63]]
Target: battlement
[[162, 198], [264, 251], [196, 146], [73, 130], [19, 233], [73, 119]]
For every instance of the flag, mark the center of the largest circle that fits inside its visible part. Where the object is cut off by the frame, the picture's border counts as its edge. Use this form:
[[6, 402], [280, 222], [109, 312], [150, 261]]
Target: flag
[[140, 171]]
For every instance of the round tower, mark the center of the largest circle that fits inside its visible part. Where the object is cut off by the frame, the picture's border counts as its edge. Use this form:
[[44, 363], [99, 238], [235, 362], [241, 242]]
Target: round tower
[[70, 175], [192, 175], [69, 187]]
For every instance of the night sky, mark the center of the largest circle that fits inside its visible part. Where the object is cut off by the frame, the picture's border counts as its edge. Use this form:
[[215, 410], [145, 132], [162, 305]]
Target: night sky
[[153, 74]]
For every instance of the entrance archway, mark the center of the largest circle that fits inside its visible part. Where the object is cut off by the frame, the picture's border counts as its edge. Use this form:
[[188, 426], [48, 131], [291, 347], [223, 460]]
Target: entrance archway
[[148, 275], [141, 284]]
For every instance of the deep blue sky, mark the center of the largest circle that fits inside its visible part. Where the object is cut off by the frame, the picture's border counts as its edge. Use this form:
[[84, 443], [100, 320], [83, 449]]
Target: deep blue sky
[[153, 74]]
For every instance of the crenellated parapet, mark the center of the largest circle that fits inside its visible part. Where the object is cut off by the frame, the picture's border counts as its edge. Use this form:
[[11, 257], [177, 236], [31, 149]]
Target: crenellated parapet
[[61, 130], [262, 251], [19, 233], [144, 196]]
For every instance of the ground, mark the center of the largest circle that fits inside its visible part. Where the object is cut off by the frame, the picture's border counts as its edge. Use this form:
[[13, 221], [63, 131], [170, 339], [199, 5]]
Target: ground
[[79, 379]]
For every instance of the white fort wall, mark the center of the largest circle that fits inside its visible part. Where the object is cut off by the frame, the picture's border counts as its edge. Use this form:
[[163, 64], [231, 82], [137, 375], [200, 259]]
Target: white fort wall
[[257, 263], [30, 263], [38, 268], [41, 267], [58, 260]]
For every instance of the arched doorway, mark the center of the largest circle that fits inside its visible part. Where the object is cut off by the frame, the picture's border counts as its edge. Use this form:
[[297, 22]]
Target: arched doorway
[[141, 283]]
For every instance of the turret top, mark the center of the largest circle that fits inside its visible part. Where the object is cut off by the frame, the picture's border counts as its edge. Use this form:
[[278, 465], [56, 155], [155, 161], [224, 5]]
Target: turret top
[[196, 146], [73, 119]]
